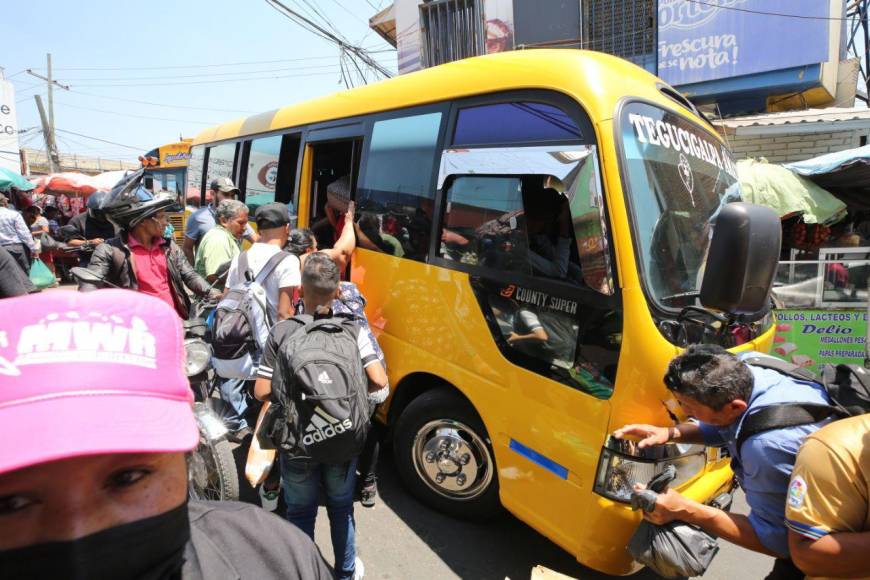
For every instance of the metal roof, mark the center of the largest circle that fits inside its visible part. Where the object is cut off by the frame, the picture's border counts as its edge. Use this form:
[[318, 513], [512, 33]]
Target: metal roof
[[806, 121]]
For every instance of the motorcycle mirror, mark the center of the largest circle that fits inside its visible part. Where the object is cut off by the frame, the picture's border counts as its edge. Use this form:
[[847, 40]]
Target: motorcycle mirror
[[85, 275]]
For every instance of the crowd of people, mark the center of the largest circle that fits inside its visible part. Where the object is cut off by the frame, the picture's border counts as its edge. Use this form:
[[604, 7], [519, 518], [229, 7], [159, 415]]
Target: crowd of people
[[119, 446]]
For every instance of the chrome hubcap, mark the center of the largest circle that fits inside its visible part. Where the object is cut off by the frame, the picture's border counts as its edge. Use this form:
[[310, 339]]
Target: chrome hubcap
[[452, 459]]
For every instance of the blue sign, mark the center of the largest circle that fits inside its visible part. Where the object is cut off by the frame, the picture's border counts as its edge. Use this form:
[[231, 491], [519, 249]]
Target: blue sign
[[715, 39]]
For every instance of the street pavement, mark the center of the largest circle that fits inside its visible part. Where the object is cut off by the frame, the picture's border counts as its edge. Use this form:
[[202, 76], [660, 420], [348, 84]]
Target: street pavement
[[401, 538]]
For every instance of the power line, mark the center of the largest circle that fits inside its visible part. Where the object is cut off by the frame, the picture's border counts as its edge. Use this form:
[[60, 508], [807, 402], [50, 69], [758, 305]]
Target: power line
[[763, 13], [216, 81], [136, 116], [182, 66], [346, 9], [138, 102], [101, 140], [337, 39], [199, 75]]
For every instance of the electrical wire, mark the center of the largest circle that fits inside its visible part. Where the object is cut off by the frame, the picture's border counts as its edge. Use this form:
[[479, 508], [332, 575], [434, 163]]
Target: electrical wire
[[337, 39], [198, 75], [164, 105], [133, 116], [763, 13], [216, 81], [182, 66], [102, 140], [347, 10]]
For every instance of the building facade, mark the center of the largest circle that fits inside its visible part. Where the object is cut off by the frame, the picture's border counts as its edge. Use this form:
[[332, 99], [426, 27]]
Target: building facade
[[737, 56]]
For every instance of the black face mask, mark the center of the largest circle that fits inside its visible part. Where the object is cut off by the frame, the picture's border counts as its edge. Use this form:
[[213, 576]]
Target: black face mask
[[150, 549]]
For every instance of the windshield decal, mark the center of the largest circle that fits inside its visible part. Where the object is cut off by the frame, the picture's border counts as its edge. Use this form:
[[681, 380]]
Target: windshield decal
[[664, 134], [686, 175]]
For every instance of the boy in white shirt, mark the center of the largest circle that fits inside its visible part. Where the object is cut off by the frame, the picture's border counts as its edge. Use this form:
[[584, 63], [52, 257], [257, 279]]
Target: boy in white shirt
[[273, 226]]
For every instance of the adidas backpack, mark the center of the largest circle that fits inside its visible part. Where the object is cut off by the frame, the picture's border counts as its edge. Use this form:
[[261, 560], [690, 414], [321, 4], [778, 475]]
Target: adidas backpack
[[242, 321], [320, 391]]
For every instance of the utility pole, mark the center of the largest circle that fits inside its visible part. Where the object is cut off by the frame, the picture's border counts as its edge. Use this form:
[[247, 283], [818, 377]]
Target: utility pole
[[48, 134], [48, 123]]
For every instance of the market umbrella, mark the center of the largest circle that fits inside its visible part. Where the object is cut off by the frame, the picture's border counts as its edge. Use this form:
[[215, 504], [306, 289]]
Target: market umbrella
[[70, 183], [10, 179], [846, 174], [780, 189]]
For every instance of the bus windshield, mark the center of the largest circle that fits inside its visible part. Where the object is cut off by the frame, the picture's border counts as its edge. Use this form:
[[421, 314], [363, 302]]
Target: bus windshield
[[677, 175]]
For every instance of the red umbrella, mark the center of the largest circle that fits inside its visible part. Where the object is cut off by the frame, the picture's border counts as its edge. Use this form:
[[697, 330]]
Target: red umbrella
[[70, 183]]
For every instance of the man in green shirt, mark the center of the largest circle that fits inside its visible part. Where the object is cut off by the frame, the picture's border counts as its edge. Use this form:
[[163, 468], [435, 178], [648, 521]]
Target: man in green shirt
[[221, 244]]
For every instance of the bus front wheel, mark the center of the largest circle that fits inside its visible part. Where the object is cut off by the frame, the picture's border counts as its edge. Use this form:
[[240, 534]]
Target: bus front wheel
[[444, 455]]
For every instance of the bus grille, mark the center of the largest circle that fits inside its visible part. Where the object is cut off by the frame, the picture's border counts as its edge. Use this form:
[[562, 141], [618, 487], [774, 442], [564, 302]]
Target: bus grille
[[177, 221]]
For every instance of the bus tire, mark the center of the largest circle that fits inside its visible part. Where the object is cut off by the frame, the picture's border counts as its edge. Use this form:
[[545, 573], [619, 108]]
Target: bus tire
[[444, 456]]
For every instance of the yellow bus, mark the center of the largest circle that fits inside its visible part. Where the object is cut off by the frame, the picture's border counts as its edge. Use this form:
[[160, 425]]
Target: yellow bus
[[533, 224], [166, 170]]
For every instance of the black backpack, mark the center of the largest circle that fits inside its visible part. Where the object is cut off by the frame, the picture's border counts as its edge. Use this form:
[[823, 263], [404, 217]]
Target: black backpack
[[847, 385], [320, 408], [242, 321]]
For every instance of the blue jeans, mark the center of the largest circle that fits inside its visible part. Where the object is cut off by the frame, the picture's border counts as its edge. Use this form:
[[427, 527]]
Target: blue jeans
[[233, 393], [302, 482]]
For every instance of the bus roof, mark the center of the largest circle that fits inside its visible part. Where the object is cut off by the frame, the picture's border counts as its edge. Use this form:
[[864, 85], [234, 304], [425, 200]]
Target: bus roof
[[596, 79]]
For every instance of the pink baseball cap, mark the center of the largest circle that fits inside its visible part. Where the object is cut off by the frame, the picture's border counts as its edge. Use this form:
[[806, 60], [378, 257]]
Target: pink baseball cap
[[91, 373]]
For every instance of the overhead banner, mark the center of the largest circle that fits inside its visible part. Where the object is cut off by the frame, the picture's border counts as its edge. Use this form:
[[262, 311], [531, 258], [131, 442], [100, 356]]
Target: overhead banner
[[715, 39], [9, 151]]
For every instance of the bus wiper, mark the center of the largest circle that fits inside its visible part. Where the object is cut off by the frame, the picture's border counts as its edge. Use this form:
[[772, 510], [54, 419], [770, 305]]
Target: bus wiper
[[692, 294]]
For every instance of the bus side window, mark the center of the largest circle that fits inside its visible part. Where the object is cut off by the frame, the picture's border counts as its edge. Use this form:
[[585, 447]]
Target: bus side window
[[194, 173], [171, 184], [262, 171], [396, 196], [484, 224], [220, 162], [533, 235]]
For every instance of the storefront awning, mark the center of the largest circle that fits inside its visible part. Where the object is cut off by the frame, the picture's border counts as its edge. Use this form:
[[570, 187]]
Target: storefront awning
[[846, 174]]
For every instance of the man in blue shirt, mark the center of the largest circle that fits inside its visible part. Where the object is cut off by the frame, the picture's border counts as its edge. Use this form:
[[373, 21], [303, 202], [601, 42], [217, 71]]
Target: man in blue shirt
[[203, 219], [720, 391]]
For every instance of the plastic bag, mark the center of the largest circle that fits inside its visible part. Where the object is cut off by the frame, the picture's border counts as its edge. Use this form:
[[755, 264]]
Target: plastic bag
[[675, 549], [40, 275], [260, 460]]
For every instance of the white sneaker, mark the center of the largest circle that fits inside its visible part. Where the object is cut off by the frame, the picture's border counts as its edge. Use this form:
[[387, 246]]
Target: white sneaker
[[269, 499], [359, 570]]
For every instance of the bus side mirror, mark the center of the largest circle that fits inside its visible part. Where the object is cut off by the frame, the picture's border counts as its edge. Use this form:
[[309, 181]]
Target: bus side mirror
[[742, 260]]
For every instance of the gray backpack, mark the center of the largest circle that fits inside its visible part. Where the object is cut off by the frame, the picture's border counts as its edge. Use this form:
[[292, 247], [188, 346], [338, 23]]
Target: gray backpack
[[319, 389]]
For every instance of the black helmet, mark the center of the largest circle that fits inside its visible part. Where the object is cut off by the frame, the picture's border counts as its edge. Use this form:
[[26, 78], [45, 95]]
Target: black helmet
[[129, 203], [94, 204]]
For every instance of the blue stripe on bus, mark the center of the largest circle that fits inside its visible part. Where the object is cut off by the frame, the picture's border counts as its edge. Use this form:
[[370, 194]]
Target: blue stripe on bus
[[536, 457]]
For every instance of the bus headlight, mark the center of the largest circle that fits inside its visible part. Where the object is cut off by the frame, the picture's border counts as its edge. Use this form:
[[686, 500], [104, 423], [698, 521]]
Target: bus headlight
[[622, 465]]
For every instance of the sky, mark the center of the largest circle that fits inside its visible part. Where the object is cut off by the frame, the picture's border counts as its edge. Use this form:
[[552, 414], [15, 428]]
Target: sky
[[200, 62]]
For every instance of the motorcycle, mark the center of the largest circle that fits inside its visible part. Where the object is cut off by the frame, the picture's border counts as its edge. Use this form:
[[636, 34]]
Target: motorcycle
[[212, 471]]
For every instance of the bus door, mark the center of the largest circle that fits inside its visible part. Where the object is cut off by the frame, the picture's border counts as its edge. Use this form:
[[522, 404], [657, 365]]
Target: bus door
[[528, 224], [329, 176]]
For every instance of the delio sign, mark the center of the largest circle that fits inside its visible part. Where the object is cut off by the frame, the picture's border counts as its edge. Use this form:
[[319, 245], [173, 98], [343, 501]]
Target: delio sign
[[704, 41], [9, 156]]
